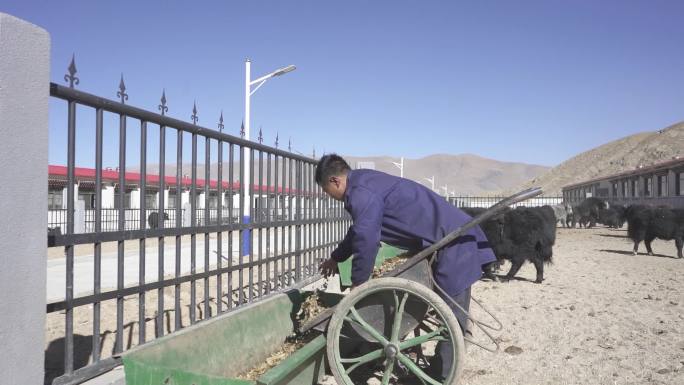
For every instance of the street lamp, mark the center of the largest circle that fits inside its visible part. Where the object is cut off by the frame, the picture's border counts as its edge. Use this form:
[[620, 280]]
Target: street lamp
[[432, 182], [400, 166], [247, 204]]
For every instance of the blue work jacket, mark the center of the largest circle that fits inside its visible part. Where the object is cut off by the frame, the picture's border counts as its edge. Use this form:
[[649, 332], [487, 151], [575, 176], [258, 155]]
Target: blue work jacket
[[408, 215]]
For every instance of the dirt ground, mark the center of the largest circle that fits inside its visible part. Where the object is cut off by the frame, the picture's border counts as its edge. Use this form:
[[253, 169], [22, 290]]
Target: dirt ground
[[602, 316]]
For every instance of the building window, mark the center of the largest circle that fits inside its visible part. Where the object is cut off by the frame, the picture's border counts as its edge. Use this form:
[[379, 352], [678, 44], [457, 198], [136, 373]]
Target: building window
[[662, 185], [680, 183], [151, 201], [615, 189], [648, 184], [213, 201], [127, 200], [623, 185], [88, 199], [55, 200]]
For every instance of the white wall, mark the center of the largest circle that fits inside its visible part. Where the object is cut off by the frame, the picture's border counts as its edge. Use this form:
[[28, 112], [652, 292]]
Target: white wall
[[24, 94]]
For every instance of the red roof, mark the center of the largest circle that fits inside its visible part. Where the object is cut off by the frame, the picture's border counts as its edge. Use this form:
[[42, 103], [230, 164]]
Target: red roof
[[152, 180]]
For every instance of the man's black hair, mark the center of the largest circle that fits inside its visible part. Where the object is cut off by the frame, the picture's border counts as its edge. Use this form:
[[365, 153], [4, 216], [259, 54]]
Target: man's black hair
[[330, 165]]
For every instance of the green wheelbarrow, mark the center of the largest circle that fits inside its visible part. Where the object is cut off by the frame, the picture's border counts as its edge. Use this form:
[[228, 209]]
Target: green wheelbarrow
[[386, 330]]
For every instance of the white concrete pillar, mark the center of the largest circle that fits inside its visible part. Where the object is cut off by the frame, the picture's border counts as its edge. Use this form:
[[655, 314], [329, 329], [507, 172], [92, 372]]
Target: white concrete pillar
[[64, 195], [166, 199], [24, 94], [185, 198], [108, 197], [79, 217], [187, 212], [135, 199], [200, 198]]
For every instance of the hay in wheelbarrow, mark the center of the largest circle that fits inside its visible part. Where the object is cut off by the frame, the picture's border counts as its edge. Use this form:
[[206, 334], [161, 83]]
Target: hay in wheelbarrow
[[293, 344], [390, 263], [310, 308]]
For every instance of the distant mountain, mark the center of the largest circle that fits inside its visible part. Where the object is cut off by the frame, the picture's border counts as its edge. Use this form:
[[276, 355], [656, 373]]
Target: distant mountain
[[621, 155], [464, 174]]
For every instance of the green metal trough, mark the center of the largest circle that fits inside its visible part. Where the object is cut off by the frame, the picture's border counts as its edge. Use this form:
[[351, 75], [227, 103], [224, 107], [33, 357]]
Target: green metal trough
[[216, 351]]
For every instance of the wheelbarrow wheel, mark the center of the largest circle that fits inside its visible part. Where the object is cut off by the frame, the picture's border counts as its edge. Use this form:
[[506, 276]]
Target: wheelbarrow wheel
[[382, 330]]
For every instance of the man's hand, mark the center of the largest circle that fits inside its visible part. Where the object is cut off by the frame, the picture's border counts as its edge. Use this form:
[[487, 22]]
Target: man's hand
[[328, 268]]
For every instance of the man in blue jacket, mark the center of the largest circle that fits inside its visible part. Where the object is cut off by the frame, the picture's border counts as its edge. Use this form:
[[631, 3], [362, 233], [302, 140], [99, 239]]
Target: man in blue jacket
[[405, 214]]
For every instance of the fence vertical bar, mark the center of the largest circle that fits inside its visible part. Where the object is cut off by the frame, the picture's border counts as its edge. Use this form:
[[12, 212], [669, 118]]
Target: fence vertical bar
[[179, 224], [260, 214], [250, 279], [193, 224], [231, 184], [207, 176], [241, 247], [161, 215], [120, 243], [298, 228], [277, 229], [219, 220], [143, 213], [69, 249], [97, 262], [268, 222], [290, 199]]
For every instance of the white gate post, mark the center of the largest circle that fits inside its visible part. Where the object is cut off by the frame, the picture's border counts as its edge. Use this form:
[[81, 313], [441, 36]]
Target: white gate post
[[24, 93]]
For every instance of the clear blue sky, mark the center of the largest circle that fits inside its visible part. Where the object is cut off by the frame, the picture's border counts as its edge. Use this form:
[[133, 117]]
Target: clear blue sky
[[530, 81]]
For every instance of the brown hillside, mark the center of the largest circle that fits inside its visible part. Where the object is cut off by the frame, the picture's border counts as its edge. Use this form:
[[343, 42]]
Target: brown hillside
[[465, 174], [620, 155]]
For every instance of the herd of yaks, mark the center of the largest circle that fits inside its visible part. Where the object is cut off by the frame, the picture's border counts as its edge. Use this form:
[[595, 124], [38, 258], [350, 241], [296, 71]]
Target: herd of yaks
[[529, 233]]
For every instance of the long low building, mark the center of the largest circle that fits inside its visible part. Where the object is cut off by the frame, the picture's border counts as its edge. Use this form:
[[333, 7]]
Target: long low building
[[267, 200], [658, 184]]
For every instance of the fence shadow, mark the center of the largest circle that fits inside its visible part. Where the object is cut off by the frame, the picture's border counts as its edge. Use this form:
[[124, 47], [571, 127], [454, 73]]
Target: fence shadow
[[612, 236], [641, 254], [54, 356]]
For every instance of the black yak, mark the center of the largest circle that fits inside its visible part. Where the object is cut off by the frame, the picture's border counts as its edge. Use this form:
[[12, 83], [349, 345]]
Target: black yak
[[613, 217], [587, 212], [153, 219], [519, 235], [648, 223]]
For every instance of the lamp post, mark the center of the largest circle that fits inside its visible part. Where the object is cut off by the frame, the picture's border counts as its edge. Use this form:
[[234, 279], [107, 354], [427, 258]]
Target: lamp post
[[432, 182], [257, 83], [400, 166]]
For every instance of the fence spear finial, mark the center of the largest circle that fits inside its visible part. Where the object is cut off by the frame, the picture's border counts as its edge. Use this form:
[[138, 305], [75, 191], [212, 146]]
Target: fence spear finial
[[220, 123], [71, 76], [121, 93], [162, 107], [194, 116]]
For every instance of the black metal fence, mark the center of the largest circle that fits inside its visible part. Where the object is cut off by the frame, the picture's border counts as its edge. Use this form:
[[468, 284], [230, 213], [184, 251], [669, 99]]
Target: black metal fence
[[479, 201], [214, 268]]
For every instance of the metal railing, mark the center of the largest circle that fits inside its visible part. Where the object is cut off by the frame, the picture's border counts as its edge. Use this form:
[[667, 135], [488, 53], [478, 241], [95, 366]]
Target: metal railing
[[137, 287], [488, 201]]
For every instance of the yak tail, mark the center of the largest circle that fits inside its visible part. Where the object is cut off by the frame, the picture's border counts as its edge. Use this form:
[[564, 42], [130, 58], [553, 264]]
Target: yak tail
[[545, 252]]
